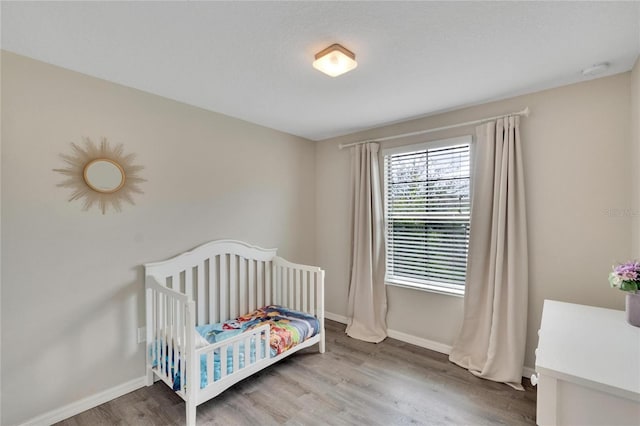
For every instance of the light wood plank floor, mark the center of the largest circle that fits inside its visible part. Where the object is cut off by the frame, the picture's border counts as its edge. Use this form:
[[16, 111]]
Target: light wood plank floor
[[353, 383]]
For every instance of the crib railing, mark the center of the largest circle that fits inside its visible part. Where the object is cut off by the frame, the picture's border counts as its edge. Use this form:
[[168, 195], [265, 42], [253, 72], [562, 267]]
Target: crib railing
[[251, 346], [224, 278], [226, 286], [171, 336], [298, 287], [168, 337]]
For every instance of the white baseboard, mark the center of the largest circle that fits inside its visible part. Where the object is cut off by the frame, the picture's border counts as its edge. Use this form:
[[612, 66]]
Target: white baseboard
[[399, 335], [528, 372], [335, 317], [418, 341], [87, 403]]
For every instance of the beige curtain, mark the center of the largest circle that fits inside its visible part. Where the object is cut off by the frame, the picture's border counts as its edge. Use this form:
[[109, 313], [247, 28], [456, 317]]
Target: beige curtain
[[367, 309], [491, 343]]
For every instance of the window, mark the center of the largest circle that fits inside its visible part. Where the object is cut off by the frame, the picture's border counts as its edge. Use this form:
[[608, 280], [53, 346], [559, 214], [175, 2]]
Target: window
[[427, 211]]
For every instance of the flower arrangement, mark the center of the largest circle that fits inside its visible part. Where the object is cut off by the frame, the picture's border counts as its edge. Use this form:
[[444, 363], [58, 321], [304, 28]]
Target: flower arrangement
[[626, 276]]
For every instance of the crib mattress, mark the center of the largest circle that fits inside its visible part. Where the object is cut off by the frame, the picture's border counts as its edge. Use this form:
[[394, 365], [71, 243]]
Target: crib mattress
[[288, 328]]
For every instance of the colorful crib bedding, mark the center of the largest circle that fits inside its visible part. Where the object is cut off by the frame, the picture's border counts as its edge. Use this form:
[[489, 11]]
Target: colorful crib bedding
[[288, 328]]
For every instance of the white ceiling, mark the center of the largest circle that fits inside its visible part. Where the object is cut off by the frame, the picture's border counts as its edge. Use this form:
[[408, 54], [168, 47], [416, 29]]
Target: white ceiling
[[252, 60]]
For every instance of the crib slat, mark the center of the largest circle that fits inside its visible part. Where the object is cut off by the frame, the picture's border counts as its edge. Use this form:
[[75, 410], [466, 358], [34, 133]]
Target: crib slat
[[247, 351], [312, 294], [156, 303], [213, 290], [224, 352], [233, 287], [224, 285], [298, 290], [305, 295], [154, 331], [174, 327], [261, 284], [210, 372], [290, 286], [280, 294], [252, 286], [319, 295], [182, 352], [169, 341], [276, 291], [169, 328], [265, 346], [278, 285], [295, 282], [151, 324], [164, 334], [236, 356], [242, 298], [188, 282], [173, 337], [158, 329], [269, 275], [169, 344], [200, 295], [283, 286]]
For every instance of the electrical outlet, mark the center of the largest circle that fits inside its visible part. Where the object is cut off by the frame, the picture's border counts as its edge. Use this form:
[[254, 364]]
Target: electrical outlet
[[142, 334]]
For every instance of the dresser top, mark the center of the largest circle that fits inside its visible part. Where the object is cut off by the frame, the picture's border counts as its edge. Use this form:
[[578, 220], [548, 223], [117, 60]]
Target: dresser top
[[591, 346]]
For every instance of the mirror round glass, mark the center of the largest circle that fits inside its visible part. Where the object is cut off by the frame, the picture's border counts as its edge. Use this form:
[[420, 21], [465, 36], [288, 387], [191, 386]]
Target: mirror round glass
[[104, 175]]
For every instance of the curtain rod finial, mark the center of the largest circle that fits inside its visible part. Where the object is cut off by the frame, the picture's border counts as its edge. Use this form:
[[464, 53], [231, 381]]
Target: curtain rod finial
[[526, 112]]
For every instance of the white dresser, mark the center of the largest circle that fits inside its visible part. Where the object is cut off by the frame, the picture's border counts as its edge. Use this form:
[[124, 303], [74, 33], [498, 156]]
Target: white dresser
[[588, 367]]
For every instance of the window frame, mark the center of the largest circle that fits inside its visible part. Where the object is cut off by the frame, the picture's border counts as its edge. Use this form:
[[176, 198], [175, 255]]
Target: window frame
[[423, 285]]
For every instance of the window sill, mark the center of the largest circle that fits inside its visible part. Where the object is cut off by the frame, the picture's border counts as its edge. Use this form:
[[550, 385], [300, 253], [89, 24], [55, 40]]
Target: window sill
[[426, 287]]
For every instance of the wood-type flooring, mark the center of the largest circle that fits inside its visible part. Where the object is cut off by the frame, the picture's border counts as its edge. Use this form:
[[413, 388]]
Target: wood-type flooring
[[353, 383]]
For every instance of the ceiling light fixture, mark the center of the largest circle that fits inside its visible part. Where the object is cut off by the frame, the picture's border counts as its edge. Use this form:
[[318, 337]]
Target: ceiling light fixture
[[335, 60]]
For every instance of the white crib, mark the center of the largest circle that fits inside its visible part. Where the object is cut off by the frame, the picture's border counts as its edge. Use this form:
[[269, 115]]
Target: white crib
[[215, 282]]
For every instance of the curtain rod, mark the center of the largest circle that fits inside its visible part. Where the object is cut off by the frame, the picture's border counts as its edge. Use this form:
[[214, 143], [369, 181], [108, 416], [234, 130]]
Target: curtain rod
[[524, 112]]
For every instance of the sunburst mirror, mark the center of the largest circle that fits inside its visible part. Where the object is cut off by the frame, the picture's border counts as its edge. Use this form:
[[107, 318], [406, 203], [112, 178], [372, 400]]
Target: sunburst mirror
[[101, 175]]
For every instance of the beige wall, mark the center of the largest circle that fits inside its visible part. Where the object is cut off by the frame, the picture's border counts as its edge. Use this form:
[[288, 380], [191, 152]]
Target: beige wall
[[576, 146], [72, 280], [0, 241], [635, 157]]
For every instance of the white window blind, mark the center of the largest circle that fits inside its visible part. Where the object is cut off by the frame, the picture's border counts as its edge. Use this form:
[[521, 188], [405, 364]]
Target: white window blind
[[427, 205]]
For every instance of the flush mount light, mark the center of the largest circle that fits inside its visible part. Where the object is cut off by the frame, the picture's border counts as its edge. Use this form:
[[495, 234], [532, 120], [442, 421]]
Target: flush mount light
[[335, 60]]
